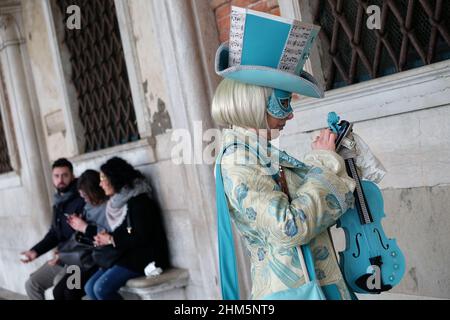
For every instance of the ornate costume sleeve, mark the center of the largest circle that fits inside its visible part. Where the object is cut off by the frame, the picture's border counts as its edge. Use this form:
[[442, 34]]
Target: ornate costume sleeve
[[331, 164], [319, 197]]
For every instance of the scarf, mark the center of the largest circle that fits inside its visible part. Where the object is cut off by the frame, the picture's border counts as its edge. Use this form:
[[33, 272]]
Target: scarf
[[117, 208], [60, 198], [96, 215]]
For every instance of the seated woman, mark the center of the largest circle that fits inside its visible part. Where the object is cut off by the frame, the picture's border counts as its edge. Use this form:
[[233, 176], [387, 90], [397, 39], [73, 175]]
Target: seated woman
[[93, 219], [135, 230]]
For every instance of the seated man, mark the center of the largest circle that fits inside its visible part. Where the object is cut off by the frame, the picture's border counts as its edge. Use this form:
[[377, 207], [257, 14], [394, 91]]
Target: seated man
[[66, 201]]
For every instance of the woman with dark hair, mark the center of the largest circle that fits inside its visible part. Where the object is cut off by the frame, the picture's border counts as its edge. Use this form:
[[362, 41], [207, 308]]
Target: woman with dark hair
[[135, 230], [86, 226], [95, 197]]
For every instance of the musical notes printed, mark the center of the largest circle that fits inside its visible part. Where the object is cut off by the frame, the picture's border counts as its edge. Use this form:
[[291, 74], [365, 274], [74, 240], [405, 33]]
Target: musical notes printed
[[298, 41], [237, 27]]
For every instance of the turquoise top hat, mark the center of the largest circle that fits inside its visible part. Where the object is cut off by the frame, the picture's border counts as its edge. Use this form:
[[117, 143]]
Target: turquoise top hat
[[268, 51]]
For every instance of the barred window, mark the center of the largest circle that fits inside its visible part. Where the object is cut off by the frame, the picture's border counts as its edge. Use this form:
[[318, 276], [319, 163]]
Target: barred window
[[99, 75], [5, 161], [5, 164], [413, 33]]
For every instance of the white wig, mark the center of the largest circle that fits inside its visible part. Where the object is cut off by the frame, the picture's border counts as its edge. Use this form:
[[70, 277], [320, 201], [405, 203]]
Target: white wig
[[240, 104]]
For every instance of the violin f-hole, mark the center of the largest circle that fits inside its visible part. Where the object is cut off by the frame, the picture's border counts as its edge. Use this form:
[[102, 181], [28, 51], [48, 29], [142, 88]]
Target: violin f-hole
[[381, 240], [357, 244]]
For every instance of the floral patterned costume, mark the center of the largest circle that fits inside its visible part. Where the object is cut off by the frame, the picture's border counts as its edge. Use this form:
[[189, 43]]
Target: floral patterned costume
[[272, 226]]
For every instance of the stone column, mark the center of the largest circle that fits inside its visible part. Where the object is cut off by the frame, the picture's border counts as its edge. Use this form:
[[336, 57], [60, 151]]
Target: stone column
[[187, 37], [24, 201], [32, 168]]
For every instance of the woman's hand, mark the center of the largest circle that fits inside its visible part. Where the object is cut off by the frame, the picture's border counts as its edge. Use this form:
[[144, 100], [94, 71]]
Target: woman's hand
[[77, 223], [325, 141], [103, 239]]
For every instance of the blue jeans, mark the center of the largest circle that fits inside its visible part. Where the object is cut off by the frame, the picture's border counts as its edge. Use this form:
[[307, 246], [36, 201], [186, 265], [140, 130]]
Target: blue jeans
[[105, 283]]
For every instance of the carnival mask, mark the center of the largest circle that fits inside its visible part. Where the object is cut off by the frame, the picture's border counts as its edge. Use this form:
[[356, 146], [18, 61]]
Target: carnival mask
[[279, 105]]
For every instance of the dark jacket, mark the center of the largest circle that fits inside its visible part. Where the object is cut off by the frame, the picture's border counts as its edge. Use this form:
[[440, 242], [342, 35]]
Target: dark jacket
[[60, 231], [147, 241]]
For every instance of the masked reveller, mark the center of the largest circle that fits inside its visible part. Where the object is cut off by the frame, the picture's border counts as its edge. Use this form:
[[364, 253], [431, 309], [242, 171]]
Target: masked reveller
[[277, 203]]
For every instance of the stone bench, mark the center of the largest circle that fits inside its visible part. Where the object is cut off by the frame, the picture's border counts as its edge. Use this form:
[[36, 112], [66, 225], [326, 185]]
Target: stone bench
[[169, 285]]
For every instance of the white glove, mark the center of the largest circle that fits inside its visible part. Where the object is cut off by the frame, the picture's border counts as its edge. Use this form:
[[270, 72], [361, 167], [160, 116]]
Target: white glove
[[368, 165]]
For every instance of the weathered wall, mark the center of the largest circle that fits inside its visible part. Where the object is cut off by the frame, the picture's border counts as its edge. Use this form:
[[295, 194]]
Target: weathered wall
[[24, 206], [178, 194], [46, 79], [174, 185], [414, 146], [153, 78]]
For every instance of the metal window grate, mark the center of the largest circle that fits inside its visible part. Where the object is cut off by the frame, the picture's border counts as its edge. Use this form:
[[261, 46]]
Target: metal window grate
[[100, 76], [413, 33], [5, 161]]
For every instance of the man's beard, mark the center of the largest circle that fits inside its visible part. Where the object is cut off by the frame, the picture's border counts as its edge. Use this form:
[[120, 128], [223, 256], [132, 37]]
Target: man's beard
[[64, 189]]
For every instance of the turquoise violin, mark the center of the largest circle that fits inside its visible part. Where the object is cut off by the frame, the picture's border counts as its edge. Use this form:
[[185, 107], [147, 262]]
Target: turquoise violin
[[371, 263]]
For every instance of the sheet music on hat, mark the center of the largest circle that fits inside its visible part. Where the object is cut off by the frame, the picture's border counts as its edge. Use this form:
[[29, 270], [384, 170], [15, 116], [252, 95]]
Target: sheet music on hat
[[237, 28], [296, 49], [298, 46]]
